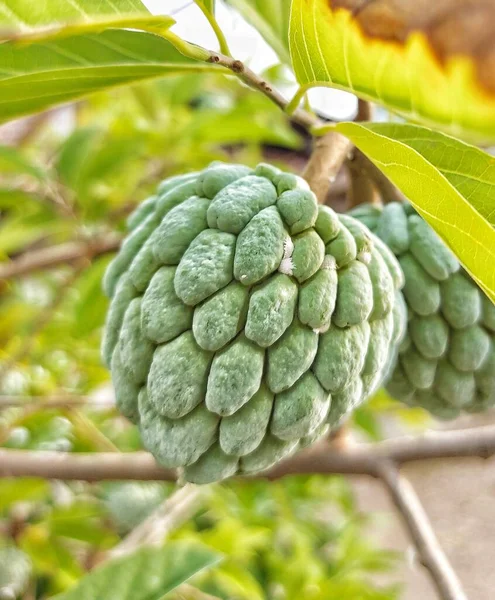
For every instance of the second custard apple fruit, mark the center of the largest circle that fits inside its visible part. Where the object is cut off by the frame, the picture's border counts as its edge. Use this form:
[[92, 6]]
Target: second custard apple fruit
[[130, 503], [245, 319], [15, 572], [446, 362]]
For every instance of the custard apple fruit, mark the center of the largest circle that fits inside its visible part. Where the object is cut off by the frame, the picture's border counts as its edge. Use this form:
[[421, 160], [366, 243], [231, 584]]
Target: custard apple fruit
[[446, 362], [245, 319], [130, 503], [15, 572]]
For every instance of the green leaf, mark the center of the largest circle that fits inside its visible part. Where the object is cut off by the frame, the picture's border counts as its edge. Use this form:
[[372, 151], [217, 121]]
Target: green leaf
[[21, 21], [81, 521], [442, 187], [378, 51], [147, 574], [25, 14], [36, 76], [470, 170], [16, 162], [22, 490], [271, 19]]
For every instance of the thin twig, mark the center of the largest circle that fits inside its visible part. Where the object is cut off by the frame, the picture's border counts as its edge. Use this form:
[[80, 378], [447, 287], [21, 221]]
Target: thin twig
[[21, 131], [53, 256], [176, 509], [52, 193], [415, 519], [361, 459], [246, 75], [250, 78], [59, 401]]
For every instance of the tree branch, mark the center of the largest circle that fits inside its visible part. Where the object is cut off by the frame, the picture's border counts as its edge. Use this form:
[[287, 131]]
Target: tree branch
[[415, 519], [58, 401], [361, 189], [362, 459], [251, 79], [379, 460], [53, 256], [327, 157], [362, 164]]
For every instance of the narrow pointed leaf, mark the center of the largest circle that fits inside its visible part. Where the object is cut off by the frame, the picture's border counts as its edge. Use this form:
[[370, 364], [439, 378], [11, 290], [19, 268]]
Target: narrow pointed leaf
[[25, 21], [147, 574], [453, 191], [430, 62], [25, 15], [145, 22], [43, 74]]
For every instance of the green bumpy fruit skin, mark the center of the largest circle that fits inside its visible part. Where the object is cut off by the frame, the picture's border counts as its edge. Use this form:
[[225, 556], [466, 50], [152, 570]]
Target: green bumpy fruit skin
[[446, 363], [245, 320], [129, 503], [15, 572]]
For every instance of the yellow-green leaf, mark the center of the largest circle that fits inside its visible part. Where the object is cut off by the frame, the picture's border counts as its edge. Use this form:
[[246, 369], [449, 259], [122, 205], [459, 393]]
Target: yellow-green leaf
[[470, 170], [147, 574], [427, 63], [25, 15], [145, 22], [39, 75], [441, 187], [26, 21]]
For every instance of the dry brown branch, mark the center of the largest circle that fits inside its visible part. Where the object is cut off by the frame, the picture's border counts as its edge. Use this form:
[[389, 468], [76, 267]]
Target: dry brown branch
[[361, 459], [54, 256], [58, 401], [361, 189], [364, 111], [362, 164], [418, 525], [325, 162], [379, 460]]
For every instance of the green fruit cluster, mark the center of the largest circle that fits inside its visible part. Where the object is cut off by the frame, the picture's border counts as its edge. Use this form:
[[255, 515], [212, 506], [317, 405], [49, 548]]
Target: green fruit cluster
[[245, 319], [446, 362], [15, 572]]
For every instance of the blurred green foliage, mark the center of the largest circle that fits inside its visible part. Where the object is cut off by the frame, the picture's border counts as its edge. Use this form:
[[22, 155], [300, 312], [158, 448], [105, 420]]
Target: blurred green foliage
[[79, 174]]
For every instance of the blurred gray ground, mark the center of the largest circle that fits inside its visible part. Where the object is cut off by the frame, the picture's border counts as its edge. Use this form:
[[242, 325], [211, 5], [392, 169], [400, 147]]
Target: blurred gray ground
[[459, 498]]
